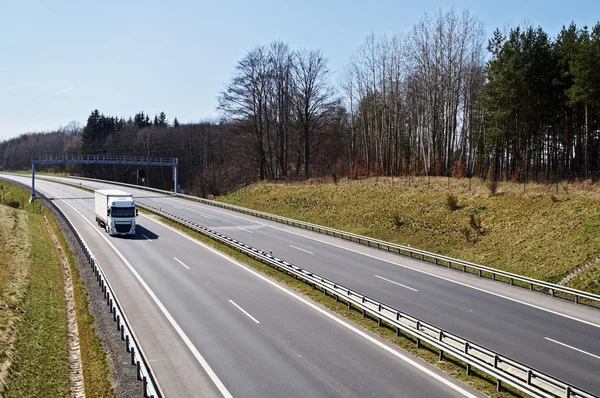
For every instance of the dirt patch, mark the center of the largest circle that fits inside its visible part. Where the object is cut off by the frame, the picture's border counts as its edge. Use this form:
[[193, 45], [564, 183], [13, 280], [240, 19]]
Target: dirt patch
[[15, 248], [77, 389]]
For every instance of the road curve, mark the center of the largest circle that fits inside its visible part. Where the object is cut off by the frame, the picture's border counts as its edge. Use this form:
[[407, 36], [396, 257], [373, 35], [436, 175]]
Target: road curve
[[552, 336], [256, 337]]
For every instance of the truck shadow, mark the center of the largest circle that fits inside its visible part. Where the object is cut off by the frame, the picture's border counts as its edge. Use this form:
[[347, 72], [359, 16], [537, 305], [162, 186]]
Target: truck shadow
[[142, 233]]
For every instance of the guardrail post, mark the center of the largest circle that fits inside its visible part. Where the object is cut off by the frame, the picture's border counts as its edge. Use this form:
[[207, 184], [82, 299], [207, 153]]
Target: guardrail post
[[441, 351], [569, 391], [498, 385], [132, 355], [576, 299], [145, 384], [127, 348], [529, 374], [138, 370], [480, 273]]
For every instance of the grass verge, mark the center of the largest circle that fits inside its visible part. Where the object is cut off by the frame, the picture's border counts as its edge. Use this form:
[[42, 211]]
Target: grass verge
[[533, 234], [96, 369], [40, 365], [38, 361], [453, 367]]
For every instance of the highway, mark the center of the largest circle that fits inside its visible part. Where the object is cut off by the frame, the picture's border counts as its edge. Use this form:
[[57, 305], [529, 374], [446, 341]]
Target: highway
[[210, 326], [548, 334]]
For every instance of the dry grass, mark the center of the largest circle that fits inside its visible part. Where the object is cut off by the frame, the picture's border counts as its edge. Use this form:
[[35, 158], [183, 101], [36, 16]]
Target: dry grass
[[15, 246], [40, 364], [35, 311], [526, 233]]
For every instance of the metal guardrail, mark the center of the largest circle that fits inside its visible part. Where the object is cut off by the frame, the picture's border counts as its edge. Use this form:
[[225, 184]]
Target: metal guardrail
[[474, 269], [150, 386], [503, 369]]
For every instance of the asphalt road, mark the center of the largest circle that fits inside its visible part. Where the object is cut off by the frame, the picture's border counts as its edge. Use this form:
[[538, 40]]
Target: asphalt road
[[211, 327], [547, 334]]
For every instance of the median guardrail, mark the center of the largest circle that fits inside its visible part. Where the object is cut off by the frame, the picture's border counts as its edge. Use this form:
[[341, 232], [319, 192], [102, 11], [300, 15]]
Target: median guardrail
[[502, 368], [144, 373], [453, 263]]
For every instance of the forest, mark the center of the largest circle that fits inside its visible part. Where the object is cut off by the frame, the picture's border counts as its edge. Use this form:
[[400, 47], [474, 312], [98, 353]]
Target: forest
[[440, 99]]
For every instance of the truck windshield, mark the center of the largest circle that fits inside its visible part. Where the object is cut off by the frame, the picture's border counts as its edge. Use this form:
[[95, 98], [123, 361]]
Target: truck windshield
[[117, 212]]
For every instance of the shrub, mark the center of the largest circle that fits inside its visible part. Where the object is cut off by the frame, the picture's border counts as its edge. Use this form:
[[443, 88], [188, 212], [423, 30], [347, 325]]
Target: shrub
[[492, 186], [335, 179], [15, 204], [452, 201], [399, 221], [475, 222], [467, 234]]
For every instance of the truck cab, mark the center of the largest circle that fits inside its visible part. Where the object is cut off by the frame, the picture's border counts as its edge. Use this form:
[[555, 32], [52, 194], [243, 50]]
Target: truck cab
[[115, 212]]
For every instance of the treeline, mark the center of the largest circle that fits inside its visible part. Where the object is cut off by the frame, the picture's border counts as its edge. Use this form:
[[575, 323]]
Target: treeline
[[425, 102]]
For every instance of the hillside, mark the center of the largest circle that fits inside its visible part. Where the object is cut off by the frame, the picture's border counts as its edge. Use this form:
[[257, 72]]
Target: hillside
[[537, 233]]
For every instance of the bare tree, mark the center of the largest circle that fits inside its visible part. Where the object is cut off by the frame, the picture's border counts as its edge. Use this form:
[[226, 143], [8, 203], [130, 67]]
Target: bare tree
[[314, 98]]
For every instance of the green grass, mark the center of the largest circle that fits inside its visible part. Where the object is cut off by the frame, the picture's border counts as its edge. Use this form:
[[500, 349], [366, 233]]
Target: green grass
[[96, 369], [529, 234], [40, 365], [451, 366], [38, 359]]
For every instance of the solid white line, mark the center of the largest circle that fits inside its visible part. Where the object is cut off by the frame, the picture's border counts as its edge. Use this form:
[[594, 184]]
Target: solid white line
[[244, 229], [202, 215], [573, 348], [418, 270], [180, 262], [334, 318], [146, 237], [241, 309], [213, 376], [208, 207], [395, 283], [298, 248]]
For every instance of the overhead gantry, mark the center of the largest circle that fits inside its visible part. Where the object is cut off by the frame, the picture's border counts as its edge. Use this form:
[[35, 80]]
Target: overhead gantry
[[103, 159]]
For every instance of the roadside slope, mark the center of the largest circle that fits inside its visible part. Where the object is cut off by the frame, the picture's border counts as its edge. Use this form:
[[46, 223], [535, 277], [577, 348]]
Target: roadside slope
[[531, 234]]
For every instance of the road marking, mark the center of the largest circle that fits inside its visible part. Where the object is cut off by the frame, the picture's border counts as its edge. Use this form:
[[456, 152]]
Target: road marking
[[416, 270], [246, 218], [178, 207], [241, 309], [213, 376], [146, 237], [573, 348], [202, 215], [181, 262], [244, 229], [371, 339], [396, 283], [299, 248]]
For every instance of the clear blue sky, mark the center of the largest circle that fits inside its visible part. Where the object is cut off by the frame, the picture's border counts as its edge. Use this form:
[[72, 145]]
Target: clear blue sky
[[59, 60]]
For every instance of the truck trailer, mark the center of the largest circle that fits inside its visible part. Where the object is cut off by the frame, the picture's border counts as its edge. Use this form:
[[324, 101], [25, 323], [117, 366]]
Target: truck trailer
[[115, 211]]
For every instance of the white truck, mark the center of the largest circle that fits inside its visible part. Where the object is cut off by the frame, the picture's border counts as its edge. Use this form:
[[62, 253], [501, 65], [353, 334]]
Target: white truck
[[115, 211]]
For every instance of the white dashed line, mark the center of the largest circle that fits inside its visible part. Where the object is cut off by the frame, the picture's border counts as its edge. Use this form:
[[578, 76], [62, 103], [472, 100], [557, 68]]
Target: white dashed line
[[573, 348], [180, 262], [299, 248], [396, 283], [241, 309]]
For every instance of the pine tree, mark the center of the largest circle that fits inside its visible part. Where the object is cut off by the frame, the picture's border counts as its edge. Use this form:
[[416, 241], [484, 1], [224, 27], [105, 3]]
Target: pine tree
[[175, 122]]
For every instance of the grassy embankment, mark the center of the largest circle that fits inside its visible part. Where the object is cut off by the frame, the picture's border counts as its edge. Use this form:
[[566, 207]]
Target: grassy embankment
[[33, 334], [545, 236]]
